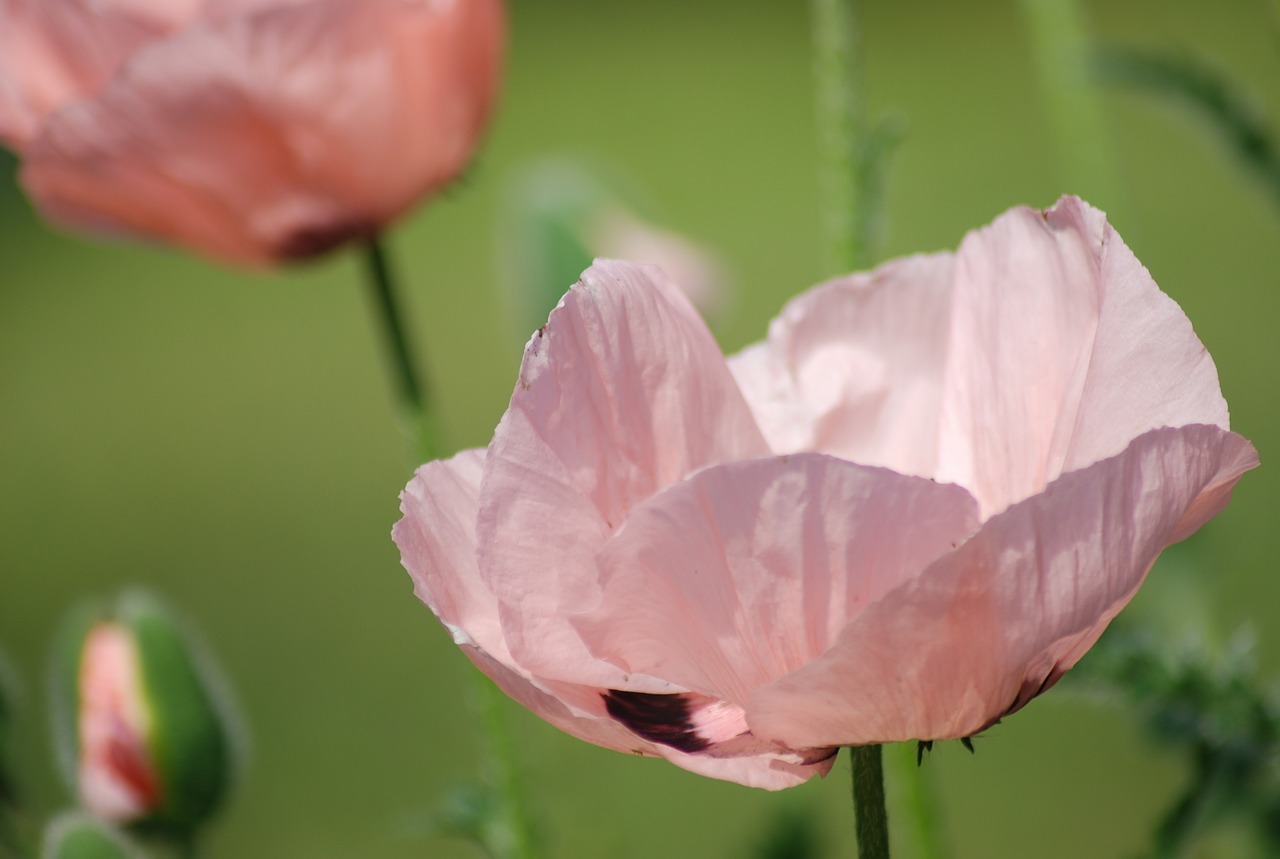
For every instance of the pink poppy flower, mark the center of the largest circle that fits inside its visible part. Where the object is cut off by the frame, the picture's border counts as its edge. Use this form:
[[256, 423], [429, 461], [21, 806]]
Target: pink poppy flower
[[251, 131], [904, 515]]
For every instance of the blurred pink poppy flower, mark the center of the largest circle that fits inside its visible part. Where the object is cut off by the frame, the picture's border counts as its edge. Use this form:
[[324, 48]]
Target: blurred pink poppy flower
[[251, 131], [902, 516]]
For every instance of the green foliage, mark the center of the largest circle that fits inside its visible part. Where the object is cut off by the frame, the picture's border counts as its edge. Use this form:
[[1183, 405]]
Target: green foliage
[[473, 813], [792, 834], [78, 836], [1215, 99], [1209, 705]]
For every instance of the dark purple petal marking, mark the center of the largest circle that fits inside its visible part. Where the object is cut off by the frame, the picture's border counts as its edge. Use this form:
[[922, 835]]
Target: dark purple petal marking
[[661, 719]]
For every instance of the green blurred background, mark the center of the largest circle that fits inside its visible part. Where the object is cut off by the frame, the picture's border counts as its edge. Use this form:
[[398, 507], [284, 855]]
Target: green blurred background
[[228, 438]]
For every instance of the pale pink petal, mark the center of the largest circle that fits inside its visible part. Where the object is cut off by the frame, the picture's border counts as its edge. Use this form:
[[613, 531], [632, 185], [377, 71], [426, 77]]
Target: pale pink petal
[[854, 367], [748, 571], [623, 393], [55, 51], [618, 233], [761, 772], [437, 540], [1148, 369], [994, 623], [278, 134], [586, 722], [1062, 350], [577, 711]]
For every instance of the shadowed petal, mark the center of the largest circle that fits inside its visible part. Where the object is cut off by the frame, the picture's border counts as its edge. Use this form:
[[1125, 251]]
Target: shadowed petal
[[580, 712], [854, 367], [994, 623], [747, 571], [621, 394], [436, 537]]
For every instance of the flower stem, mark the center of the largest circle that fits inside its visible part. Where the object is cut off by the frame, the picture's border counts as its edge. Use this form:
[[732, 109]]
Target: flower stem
[[418, 422], [841, 118], [914, 794], [509, 833], [872, 820], [1060, 43], [512, 833], [1176, 835]]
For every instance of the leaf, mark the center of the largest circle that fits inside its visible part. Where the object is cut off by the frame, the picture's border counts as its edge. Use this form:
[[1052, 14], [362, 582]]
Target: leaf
[[1214, 98]]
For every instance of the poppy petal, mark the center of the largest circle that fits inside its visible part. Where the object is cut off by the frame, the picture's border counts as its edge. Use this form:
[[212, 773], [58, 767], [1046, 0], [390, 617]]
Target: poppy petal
[[995, 622], [617, 399]]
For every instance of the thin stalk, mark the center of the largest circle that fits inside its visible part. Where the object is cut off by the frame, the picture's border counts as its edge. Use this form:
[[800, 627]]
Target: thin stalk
[[1081, 146], [872, 820], [914, 795], [841, 118], [843, 176], [509, 834], [418, 421]]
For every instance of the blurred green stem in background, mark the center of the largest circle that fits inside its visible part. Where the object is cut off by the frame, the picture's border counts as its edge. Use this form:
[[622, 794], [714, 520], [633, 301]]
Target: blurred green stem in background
[[510, 832], [851, 161], [1214, 98], [506, 833], [915, 796], [841, 118], [1059, 42], [419, 422]]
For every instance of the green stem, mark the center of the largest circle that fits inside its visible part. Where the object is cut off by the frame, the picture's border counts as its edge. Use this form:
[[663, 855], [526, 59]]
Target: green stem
[[914, 794], [841, 119], [1059, 41], [868, 803], [417, 419], [1176, 834], [510, 833]]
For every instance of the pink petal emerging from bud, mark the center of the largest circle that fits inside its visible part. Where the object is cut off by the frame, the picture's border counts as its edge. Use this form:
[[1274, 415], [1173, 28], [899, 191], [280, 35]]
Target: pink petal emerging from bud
[[258, 132], [903, 516], [116, 777]]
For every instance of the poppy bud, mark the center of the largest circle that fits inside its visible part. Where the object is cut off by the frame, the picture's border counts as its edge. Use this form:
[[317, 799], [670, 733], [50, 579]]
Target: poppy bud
[[141, 731]]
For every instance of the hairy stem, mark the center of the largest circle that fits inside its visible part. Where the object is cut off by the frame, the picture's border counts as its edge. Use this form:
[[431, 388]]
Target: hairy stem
[[841, 119], [872, 820], [418, 421]]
